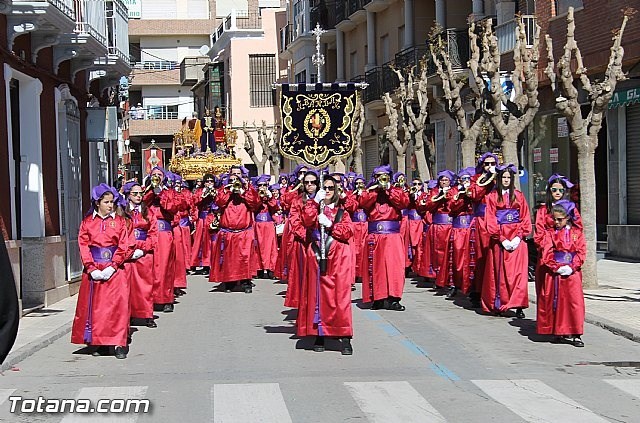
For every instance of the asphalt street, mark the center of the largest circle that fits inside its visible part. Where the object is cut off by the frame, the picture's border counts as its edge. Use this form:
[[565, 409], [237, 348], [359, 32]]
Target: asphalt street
[[234, 357]]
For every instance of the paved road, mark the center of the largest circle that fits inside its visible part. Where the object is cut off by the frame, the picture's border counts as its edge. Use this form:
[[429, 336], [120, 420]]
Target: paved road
[[234, 358]]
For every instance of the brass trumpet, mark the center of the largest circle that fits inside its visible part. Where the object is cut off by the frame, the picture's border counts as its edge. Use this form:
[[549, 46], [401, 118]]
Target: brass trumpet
[[262, 191], [413, 189], [482, 182], [382, 181], [234, 186], [401, 181], [156, 180], [208, 191]]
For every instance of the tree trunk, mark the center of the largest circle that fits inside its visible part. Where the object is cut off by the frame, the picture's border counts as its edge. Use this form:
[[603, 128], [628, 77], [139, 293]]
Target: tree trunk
[[586, 169], [510, 153], [421, 159], [402, 161], [357, 160], [468, 147]]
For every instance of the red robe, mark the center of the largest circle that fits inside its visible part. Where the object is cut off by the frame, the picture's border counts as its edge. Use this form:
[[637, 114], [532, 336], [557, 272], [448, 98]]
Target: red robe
[[163, 206], [421, 263], [266, 235], [279, 218], [507, 271], [436, 255], [325, 300], [108, 301], [568, 317], [140, 278], [384, 252], [179, 223], [479, 234], [185, 226], [295, 255], [360, 231], [462, 251], [201, 241], [232, 259], [414, 232]]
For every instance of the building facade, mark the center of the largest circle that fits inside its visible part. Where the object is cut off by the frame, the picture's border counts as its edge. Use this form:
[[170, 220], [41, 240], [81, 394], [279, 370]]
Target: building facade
[[61, 65]]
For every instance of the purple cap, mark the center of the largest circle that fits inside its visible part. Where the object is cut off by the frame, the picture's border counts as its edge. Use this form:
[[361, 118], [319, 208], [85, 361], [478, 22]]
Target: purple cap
[[262, 179], [467, 171], [126, 188], [99, 190], [564, 179], [480, 166], [432, 183], [397, 175], [164, 172], [568, 206], [510, 167], [447, 174]]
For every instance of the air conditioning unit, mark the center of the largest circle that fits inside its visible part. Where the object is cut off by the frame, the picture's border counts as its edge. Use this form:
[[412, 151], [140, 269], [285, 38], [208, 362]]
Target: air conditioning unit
[[102, 124]]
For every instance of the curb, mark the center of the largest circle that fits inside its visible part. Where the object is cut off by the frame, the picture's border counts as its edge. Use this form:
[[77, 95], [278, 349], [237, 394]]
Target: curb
[[31, 348], [613, 327]]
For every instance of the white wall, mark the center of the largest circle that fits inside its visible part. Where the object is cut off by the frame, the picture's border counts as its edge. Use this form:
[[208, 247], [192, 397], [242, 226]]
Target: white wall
[[175, 9], [223, 7]]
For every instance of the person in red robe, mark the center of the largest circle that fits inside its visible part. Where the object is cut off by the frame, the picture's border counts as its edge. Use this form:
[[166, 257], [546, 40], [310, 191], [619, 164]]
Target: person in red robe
[[560, 299], [360, 228], [557, 189], [415, 224], [482, 183], [325, 295], [384, 257], [505, 284], [265, 229], [232, 253], [102, 312], [461, 247], [399, 180], [293, 200], [145, 232], [161, 202], [422, 264], [185, 225], [436, 201], [202, 199], [180, 220]]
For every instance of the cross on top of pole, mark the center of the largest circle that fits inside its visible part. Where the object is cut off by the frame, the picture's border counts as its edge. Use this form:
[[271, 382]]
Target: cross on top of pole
[[318, 58]]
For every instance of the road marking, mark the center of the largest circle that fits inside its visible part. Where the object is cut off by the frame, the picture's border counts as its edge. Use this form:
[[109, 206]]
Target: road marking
[[630, 386], [94, 394], [252, 402], [5, 394], [392, 402], [536, 402]]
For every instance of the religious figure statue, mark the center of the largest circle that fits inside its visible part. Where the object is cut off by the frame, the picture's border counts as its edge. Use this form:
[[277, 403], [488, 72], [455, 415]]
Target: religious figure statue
[[220, 128], [207, 141]]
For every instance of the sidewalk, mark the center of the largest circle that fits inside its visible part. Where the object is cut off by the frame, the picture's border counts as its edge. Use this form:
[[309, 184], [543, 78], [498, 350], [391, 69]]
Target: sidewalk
[[614, 306]]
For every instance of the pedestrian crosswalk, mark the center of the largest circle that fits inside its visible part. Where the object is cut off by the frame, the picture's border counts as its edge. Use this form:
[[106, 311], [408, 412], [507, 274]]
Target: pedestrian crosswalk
[[529, 400]]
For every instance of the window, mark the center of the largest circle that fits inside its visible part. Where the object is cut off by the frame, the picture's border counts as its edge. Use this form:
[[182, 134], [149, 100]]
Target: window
[[401, 38], [353, 63], [301, 77], [262, 73], [560, 7], [384, 48]]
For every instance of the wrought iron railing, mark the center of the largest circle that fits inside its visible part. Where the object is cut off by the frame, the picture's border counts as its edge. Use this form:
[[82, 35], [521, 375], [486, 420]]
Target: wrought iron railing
[[507, 36], [286, 36], [155, 65], [324, 13], [118, 29], [91, 19]]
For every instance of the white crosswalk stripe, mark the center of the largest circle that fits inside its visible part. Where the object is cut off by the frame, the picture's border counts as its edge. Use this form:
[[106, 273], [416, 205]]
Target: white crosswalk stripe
[[253, 402], [5, 394], [630, 386], [534, 401], [392, 401], [111, 393]]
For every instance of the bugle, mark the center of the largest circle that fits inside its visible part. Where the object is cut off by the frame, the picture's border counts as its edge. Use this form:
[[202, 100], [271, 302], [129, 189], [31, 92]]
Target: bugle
[[440, 196], [485, 180]]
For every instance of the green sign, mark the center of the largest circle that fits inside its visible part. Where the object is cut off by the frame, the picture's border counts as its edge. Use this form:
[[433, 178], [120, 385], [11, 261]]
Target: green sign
[[625, 97]]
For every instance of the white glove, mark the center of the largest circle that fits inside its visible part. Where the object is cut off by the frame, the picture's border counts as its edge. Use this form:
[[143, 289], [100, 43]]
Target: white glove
[[269, 194], [387, 185], [507, 245], [137, 254], [565, 270], [324, 220], [515, 242], [241, 191], [108, 272], [320, 196], [97, 275]]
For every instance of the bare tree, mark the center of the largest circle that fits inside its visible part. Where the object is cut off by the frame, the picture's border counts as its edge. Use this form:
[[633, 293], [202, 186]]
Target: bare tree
[[453, 84], [524, 77], [391, 131], [249, 146], [267, 139], [584, 131], [357, 126]]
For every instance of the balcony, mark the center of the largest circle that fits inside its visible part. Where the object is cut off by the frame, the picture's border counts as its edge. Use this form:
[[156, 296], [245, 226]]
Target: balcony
[[286, 38], [142, 27], [155, 73], [324, 13], [381, 79], [238, 20], [153, 127], [414, 56], [507, 36], [91, 19], [457, 47], [191, 69], [118, 33]]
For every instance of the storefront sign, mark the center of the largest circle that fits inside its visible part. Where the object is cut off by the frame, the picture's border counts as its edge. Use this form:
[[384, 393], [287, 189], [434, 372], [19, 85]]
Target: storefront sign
[[625, 97], [135, 8], [537, 155], [563, 127], [553, 155]]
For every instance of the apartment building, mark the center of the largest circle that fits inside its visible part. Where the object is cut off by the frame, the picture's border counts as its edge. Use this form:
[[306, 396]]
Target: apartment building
[[244, 64], [166, 39], [56, 53]]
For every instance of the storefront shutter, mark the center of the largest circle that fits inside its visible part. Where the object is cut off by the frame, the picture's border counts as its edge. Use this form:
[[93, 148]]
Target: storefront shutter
[[633, 165], [371, 159]]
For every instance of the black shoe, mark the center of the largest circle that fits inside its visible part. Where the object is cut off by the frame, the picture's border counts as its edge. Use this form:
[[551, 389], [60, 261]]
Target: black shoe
[[519, 313], [452, 292], [248, 287], [347, 349], [396, 306], [318, 345], [577, 342], [353, 287], [100, 350], [168, 308], [378, 304], [270, 274], [121, 353], [151, 323]]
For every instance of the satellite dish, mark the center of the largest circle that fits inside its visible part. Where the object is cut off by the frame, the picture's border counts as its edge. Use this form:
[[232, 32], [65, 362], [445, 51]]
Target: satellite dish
[[204, 50]]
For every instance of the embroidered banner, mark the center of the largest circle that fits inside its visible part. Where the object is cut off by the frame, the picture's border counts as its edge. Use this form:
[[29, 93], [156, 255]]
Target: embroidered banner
[[316, 124]]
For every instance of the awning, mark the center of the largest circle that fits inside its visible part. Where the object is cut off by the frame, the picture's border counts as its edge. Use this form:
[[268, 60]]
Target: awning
[[625, 97]]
